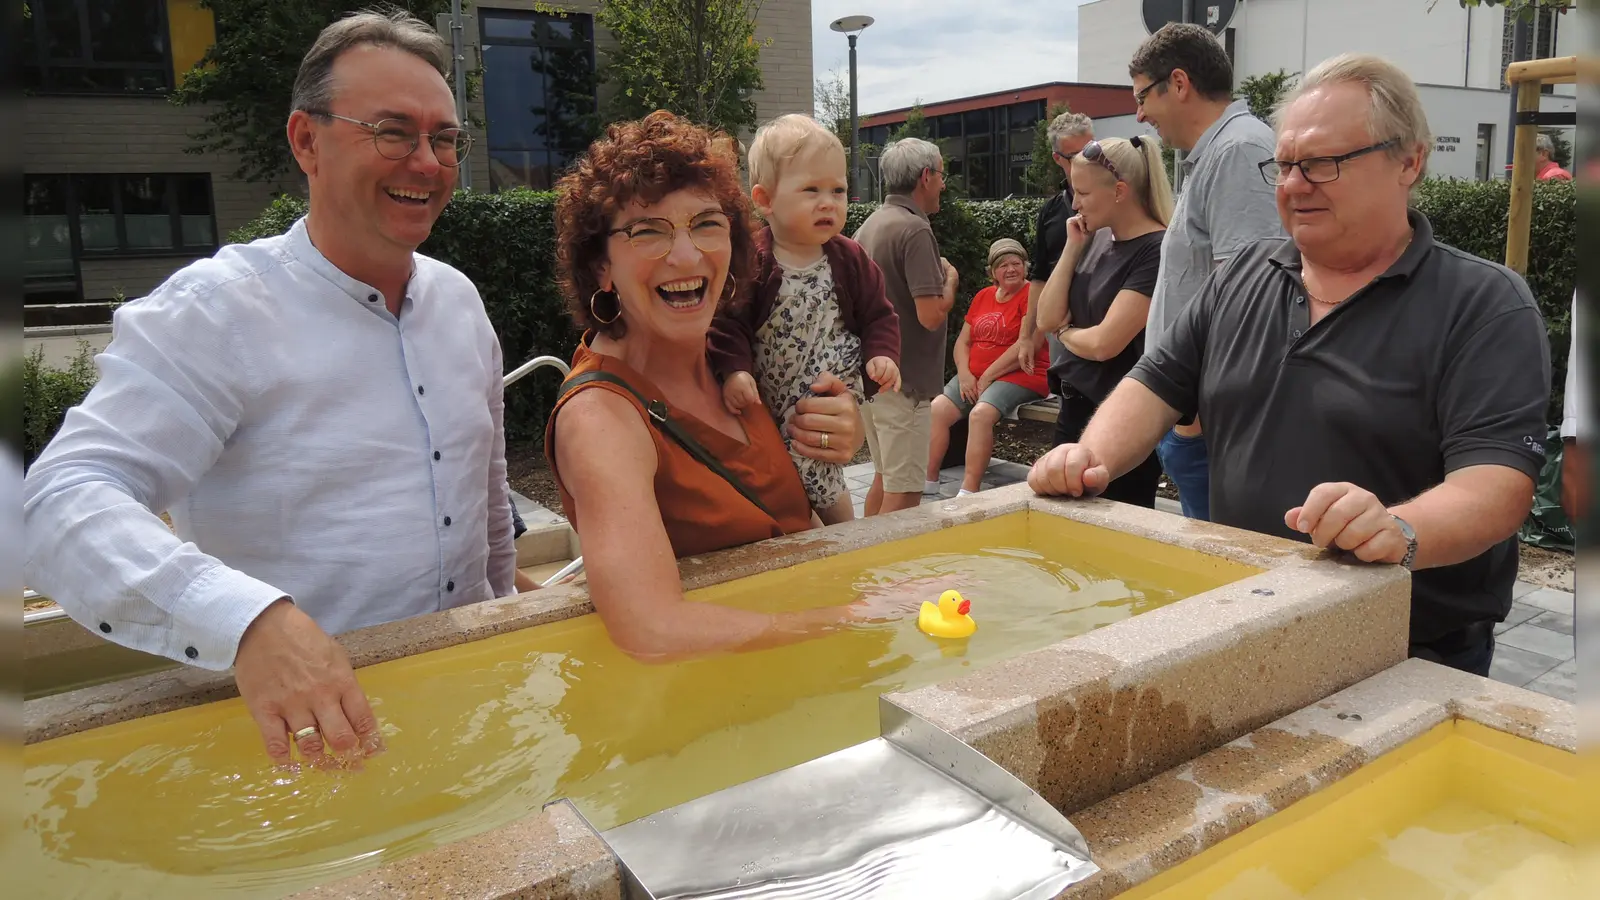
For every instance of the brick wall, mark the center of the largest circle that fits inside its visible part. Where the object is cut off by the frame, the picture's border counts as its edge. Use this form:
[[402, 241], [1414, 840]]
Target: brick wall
[[130, 135]]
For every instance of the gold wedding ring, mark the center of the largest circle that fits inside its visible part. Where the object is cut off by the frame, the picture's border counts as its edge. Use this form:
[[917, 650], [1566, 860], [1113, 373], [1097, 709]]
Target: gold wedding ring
[[825, 440], [305, 732]]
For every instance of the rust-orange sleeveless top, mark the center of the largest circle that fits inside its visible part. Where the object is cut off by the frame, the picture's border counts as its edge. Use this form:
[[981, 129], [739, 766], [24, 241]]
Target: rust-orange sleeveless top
[[701, 510]]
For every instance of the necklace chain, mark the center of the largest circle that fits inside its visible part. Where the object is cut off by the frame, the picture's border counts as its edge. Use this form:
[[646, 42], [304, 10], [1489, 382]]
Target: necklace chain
[[1316, 299]]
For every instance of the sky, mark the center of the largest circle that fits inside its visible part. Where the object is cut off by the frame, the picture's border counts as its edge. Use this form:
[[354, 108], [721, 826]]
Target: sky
[[932, 50]]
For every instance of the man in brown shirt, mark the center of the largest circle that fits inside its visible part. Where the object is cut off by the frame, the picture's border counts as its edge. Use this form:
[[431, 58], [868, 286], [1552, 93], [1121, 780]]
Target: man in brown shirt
[[922, 288]]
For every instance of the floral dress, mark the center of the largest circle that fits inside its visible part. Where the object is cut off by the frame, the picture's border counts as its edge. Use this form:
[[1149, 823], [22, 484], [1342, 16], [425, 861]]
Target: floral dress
[[802, 338]]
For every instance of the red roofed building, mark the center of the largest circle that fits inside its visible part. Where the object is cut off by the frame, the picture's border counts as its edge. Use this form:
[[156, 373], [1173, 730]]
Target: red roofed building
[[988, 138]]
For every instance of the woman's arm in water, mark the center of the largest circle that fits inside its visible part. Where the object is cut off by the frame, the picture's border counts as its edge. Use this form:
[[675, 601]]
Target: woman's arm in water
[[633, 575]]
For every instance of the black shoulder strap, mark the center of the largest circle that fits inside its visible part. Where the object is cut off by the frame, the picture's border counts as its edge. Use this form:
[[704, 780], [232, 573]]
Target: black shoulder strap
[[659, 418]]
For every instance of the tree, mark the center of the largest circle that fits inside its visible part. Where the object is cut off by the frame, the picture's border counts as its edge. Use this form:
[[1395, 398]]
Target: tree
[[247, 76], [1043, 175], [1265, 92], [915, 125], [831, 93], [1523, 8], [697, 58]]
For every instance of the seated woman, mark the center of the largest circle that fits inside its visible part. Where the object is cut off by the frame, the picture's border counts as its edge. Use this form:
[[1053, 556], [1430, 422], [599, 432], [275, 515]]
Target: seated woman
[[1100, 314], [989, 383], [653, 233]]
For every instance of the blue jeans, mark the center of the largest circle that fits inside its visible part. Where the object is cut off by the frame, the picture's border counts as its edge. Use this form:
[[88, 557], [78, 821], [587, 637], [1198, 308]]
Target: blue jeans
[[1185, 462]]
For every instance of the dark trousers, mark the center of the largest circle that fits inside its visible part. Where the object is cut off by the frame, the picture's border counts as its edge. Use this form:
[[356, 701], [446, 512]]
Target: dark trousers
[[1138, 486], [1470, 649]]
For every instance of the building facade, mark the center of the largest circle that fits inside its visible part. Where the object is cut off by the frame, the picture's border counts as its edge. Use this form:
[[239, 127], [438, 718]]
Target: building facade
[[987, 139], [113, 204], [1456, 55]]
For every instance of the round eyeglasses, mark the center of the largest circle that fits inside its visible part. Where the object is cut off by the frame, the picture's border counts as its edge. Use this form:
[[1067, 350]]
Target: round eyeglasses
[[398, 139], [710, 231]]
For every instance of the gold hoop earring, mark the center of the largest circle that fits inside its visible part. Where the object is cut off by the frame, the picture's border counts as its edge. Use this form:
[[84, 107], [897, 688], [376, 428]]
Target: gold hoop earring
[[728, 289], [596, 315]]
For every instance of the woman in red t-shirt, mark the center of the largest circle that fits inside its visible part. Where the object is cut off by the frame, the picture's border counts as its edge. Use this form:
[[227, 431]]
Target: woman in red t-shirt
[[989, 385]]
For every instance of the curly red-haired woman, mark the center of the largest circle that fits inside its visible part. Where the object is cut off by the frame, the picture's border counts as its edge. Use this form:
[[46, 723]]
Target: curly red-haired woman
[[653, 233]]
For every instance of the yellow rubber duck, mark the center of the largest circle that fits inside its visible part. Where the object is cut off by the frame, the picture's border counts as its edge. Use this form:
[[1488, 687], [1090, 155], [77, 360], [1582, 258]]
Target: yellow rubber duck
[[949, 619]]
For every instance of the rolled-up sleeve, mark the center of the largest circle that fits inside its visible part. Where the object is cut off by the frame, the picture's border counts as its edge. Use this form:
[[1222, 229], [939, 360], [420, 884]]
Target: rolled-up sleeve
[[1495, 393], [172, 388]]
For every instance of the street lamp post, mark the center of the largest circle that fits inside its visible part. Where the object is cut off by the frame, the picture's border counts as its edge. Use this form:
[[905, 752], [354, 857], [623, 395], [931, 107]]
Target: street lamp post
[[851, 26]]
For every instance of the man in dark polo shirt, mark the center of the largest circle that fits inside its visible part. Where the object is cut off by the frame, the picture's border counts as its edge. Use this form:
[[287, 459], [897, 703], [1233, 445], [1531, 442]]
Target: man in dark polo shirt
[[1068, 133], [1363, 386]]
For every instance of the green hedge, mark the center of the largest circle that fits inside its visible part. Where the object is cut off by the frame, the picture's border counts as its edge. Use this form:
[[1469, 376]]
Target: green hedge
[[47, 394], [504, 243]]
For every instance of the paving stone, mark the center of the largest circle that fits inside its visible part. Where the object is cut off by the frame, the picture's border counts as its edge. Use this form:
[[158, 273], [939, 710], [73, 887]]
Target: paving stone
[[1520, 612], [1560, 682], [859, 470], [1554, 621], [1539, 640], [1003, 472], [1550, 599], [1522, 589], [1517, 667]]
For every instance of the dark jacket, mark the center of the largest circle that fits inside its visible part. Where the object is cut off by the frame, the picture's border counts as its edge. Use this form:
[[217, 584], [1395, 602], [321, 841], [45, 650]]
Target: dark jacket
[[857, 286]]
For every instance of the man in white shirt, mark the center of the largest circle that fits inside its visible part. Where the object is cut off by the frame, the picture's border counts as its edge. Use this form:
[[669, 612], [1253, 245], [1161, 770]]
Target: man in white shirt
[[319, 413]]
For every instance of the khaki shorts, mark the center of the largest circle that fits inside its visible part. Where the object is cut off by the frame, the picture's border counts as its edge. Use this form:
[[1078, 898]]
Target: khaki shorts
[[898, 431]]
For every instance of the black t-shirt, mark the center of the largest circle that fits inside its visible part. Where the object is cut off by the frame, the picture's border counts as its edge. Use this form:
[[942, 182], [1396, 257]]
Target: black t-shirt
[[1440, 363], [1130, 265], [1050, 234]]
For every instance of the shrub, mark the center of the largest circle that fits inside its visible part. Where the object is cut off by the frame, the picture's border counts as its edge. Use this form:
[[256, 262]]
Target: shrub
[[1471, 216], [505, 243], [47, 394]]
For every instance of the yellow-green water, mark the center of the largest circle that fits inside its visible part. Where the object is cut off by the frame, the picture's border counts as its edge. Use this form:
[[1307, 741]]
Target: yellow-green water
[[484, 733], [1463, 813]]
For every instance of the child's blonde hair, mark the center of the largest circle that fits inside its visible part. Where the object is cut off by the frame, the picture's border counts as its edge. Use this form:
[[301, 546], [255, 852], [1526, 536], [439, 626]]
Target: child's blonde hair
[[783, 139]]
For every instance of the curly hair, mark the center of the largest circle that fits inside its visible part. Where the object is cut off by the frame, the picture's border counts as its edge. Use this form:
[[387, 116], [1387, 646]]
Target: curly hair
[[644, 161]]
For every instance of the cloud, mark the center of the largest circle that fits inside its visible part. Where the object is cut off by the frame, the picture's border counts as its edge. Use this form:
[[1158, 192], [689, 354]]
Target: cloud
[[933, 50]]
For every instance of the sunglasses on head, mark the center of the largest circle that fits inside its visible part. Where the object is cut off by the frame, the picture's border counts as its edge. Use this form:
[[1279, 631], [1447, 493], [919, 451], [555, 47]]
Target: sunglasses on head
[[1095, 153]]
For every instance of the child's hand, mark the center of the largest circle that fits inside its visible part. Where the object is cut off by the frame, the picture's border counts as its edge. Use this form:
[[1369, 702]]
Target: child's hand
[[883, 370], [739, 391]]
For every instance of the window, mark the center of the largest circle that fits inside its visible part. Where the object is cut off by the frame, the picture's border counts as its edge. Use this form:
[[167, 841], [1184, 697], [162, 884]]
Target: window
[[1543, 28], [75, 217], [1485, 152], [97, 46], [539, 94]]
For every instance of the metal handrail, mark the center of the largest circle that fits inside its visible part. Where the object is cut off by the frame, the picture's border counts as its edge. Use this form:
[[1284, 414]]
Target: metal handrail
[[37, 616], [512, 377], [538, 362]]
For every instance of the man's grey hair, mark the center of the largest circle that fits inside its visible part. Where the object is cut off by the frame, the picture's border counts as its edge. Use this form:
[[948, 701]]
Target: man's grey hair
[[398, 29], [903, 161], [1543, 142], [1068, 124], [1395, 109]]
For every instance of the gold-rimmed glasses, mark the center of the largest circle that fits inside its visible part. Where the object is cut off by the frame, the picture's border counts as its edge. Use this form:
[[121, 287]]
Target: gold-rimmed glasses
[[710, 231], [398, 139]]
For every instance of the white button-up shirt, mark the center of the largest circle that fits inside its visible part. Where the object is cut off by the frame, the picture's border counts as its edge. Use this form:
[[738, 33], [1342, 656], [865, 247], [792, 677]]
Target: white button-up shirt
[[305, 442]]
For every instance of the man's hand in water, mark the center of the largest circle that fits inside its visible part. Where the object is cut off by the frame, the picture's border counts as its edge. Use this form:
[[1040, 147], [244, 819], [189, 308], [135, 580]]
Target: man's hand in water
[[897, 599], [291, 675]]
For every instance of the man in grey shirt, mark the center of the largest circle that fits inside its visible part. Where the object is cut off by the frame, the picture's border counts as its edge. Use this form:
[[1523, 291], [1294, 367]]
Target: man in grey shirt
[[1183, 83]]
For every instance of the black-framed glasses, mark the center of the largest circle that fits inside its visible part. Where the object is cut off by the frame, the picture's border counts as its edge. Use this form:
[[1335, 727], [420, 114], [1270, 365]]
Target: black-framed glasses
[[1095, 153], [1064, 157], [1317, 169], [710, 231], [1139, 95], [398, 139]]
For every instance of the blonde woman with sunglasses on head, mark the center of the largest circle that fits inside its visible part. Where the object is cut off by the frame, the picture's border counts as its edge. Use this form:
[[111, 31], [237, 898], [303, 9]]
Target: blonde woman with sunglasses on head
[[1100, 314]]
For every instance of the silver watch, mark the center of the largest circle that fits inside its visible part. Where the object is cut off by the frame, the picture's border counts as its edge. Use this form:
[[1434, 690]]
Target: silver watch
[[1411, 541]]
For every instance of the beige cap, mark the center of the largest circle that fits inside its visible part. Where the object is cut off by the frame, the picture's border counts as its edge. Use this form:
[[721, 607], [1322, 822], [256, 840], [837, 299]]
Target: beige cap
[[1004, 246]]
